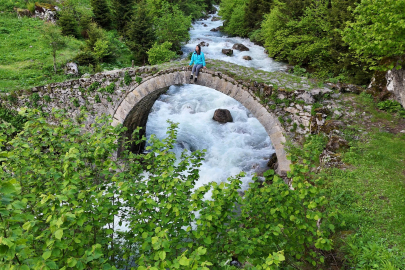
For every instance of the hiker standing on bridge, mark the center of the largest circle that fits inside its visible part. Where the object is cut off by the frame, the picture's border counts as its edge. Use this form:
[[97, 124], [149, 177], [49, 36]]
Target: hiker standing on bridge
[[198, 59]]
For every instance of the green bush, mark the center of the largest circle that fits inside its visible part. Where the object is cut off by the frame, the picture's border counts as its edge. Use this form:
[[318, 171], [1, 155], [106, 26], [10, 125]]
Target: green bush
[[94, 86], [97, 98], [160, 53], [110, 88], [272, 224], [392, 106], [127, 78], [138, 79]]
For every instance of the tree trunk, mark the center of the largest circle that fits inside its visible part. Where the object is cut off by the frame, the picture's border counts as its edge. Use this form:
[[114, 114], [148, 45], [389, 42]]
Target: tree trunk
[[54, 61]]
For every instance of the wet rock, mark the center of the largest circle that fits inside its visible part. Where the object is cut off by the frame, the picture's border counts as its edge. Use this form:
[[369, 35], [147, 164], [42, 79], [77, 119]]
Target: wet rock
[[222, 116], [215, 29], [214, 19], [71, 69], [240, 47], [247, 57], [204, 44], [272, 163], [336, 144], [205, 25], [227, 52], [346, 88]]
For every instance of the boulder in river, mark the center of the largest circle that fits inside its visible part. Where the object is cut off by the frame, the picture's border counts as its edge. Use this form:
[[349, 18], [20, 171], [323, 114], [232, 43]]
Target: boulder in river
[[205, 25], [222, 116], [228, 52], [215, 29], [214, 19], [247, 57], [203, 44], [240, 47]]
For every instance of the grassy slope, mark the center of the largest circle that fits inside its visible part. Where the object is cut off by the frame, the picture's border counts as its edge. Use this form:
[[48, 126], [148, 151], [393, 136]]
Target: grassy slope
[[370, 192], [25, 60]]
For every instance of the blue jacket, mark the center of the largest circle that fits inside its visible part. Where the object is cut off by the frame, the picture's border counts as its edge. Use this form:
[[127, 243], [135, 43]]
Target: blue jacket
[[197, 59]]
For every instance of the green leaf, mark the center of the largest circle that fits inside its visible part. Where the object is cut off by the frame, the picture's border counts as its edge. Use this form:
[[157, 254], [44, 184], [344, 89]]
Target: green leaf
[[59, 234], [7, 188], [47, 254], [184, 261], [162, 255], [71, 262]]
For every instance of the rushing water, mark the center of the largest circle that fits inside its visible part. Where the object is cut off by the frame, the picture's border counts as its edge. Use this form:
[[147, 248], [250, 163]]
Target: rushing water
[[242, 145], [218, 41]]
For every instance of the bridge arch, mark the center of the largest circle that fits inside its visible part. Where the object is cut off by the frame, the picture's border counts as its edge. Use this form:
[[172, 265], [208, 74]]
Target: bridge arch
[[135, 107]]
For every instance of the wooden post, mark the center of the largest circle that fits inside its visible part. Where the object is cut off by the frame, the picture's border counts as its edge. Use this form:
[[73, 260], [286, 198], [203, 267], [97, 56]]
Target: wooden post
[[133, 63]]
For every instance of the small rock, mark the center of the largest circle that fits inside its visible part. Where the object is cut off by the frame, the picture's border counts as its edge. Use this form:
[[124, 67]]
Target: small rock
[[205, 25], [214, 19], [306, 97], [247, 57], [240, 47], [272, 163], [215, 29], [71, 69], [402, 131], [336, 143], [337, 114], [222, 116], [203, 44], [291, 110], [228, 52]]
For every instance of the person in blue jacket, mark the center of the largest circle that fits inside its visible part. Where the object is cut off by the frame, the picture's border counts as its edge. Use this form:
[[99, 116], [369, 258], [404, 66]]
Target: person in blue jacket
[[198, 59]]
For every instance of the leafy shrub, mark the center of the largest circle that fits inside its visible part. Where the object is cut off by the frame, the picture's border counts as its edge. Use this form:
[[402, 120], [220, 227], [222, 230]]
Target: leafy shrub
[[76, 103], [84, 58], [391, 106], [271, 225], [299, 71], [12, 117], [138, 79], [127, 78], [94, 86], [160, 53], [110, 88], [34, 99], [47, 98], [97, 99]]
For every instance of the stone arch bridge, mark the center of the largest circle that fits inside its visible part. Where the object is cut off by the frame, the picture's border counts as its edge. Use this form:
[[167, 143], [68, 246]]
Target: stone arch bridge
[[129, 94]]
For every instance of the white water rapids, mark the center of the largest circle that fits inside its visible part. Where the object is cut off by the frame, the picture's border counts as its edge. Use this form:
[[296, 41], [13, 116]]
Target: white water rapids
[[232, 147]]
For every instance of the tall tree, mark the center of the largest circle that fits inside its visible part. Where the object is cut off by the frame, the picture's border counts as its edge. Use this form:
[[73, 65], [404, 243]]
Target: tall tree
[[122, 13], [68, 22], [140, 33], [254, 12], [53, 36], [102, 14]]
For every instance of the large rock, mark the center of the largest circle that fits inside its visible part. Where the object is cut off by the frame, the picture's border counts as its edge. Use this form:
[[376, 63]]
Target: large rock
[[228, 52], [240, 47], [215, 29], [71, 69], [46, 12], [336, 144], [222, 116], [214, 19], [22, 12], [396, 84], [203, 44], [247, 57]]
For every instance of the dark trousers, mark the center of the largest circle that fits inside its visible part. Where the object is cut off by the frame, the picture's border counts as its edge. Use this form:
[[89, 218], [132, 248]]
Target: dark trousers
[[196, 69]]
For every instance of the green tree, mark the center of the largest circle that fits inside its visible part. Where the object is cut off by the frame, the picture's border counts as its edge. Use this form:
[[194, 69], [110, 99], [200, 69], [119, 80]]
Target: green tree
[[172, 26], [102, 13], [122, 12], [378, 29], [160, 53], [53, 36], [254, 13], [140, 33], [68, 23]]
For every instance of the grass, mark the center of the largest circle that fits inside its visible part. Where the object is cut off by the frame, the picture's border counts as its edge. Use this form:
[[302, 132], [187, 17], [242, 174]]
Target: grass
[[370, 190], [25, 59]]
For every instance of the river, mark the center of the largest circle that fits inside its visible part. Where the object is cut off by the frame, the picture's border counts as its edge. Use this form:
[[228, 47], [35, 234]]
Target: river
[[242, 145]]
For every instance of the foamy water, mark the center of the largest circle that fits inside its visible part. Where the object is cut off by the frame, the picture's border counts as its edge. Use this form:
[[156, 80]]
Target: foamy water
[[218, 41], [242, 145]]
